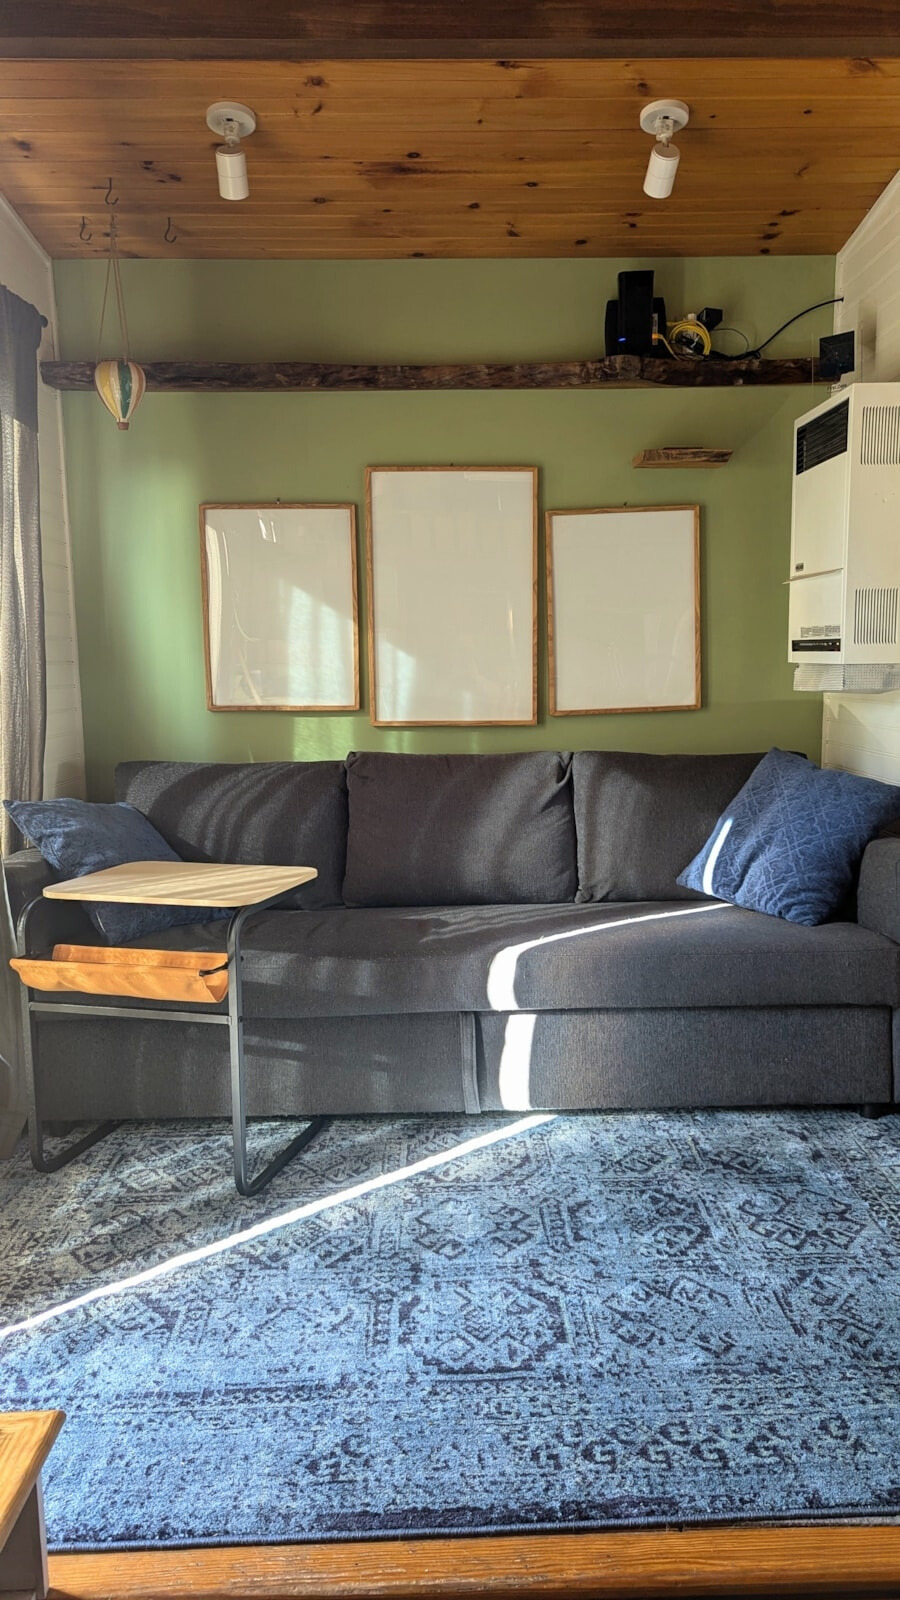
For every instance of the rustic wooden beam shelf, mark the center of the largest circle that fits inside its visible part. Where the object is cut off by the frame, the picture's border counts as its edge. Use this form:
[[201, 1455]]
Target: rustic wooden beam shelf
[[682, 455], [634, 372]]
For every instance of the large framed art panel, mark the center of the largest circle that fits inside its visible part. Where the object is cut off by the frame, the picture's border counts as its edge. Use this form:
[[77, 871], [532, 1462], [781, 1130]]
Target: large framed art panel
[[280, 620], [452, 579], [624, 609]]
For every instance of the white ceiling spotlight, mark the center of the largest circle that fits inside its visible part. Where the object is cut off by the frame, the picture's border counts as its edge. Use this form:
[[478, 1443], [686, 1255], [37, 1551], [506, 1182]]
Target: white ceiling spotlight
[[663, 119], [233, 122]]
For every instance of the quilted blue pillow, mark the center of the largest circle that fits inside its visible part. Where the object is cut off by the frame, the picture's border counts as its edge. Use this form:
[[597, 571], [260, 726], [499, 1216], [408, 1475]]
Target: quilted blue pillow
[[791, 840], [78, 836]]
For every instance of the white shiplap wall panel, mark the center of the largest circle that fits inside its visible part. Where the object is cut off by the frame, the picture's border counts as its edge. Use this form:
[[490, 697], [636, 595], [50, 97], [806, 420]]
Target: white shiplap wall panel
[[861, 732], [867, 274], [27, 271]]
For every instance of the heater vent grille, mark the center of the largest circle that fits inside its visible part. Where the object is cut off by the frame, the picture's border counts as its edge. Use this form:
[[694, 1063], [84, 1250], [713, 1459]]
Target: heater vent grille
[[880, 439], [875, 616], [824, 437]]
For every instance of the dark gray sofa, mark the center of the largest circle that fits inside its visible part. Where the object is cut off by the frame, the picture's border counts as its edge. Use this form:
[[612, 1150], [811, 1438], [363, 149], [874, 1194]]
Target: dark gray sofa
[[488, 932]]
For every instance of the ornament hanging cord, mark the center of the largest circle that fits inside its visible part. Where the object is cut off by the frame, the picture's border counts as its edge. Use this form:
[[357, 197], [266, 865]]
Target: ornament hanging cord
[[113, 271]]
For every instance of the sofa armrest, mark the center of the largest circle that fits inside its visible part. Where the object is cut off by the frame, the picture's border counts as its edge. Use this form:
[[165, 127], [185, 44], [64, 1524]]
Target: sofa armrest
[[878, 896], [26, 874], [38, 923]]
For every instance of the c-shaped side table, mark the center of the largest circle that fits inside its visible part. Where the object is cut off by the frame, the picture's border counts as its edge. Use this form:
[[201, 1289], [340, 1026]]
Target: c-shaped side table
[[245, 891]]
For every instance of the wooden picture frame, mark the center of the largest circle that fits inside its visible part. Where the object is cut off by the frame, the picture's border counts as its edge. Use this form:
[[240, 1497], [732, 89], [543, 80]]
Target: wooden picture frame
[[623, 610], [280, 608], [451, 562]]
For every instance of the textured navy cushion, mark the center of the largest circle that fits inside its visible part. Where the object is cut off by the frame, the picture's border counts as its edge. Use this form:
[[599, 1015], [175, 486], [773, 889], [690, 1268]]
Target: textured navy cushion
[[791, 841], [77, 836]]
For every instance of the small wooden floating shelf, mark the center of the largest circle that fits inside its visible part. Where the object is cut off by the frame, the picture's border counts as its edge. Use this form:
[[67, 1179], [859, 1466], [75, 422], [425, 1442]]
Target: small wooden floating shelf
[[682, 455], [634, 372]]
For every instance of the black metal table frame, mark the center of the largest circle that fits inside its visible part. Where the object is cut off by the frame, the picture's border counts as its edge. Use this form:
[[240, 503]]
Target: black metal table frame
[[233, 1020]]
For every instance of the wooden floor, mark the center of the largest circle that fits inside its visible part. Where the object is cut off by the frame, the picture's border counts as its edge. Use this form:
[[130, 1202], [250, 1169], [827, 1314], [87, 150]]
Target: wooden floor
[[718, 1561]]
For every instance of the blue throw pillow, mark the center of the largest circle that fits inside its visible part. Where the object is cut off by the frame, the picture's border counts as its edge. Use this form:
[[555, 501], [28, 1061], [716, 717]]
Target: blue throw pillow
[[791, 840], [77, 836]]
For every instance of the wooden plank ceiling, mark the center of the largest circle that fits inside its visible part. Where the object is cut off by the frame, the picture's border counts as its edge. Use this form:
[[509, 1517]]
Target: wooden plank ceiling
[[511, 158]]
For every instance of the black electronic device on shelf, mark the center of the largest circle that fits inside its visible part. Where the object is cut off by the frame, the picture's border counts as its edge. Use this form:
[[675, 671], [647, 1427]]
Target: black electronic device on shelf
[[630, 318]]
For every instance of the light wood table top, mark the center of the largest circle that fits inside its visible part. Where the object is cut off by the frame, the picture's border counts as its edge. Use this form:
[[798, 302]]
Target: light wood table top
[[182, 883], [25, 1440]]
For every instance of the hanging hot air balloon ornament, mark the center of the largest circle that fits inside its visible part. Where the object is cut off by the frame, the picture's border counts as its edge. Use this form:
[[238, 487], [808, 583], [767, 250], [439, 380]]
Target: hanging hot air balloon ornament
[[120, 384]]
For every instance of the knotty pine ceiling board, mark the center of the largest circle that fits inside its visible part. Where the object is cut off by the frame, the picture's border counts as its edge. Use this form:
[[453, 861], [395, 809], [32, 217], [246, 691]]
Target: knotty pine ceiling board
[[508, 158]]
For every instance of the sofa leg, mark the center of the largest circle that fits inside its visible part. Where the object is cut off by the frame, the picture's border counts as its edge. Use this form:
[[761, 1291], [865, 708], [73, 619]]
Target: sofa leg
[[875, 1108]]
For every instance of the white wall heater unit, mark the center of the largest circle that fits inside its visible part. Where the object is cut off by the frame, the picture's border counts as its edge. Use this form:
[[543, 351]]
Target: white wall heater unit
[[845, 542]]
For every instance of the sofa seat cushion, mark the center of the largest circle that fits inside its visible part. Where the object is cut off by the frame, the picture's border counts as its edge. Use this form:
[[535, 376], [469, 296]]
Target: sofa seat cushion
[[345, 962]]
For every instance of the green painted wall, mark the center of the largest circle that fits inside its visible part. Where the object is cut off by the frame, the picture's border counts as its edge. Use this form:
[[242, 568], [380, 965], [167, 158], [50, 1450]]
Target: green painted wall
[[134, 496]]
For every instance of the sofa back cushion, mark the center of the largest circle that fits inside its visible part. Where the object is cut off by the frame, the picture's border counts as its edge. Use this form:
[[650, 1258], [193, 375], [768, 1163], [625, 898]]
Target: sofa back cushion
[[641, 818], [273, 813], [460, 830]]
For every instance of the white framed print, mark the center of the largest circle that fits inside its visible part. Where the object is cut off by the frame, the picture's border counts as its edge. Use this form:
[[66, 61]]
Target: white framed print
[[280, 614], [452, 582], [623, 587]]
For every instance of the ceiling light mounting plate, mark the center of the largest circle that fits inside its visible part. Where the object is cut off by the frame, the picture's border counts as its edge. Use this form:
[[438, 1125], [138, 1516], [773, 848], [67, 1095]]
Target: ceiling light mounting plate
[[227, 115], [674, 110]]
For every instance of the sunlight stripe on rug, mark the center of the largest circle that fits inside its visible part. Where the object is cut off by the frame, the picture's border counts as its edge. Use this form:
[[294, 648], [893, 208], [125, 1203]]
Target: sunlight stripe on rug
[[312, 1208]]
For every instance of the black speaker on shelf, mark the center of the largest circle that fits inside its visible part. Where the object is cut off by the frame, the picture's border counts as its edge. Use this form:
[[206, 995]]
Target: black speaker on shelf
[[629, 320], [636, 313]]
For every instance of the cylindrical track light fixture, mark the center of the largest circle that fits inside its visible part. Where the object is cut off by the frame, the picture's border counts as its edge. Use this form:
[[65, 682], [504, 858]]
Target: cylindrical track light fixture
[[662, 119], [659, 180], [231, 166], [233, 122]]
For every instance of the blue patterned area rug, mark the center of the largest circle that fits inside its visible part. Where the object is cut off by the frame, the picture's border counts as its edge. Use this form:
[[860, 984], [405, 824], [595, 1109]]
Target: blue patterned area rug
[[433, 1325]]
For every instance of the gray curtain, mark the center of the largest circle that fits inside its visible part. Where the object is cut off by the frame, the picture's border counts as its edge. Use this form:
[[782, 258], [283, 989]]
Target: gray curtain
[[23, 696]]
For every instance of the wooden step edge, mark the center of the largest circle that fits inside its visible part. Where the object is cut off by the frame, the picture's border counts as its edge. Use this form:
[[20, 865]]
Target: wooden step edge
[[712, 1561]]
